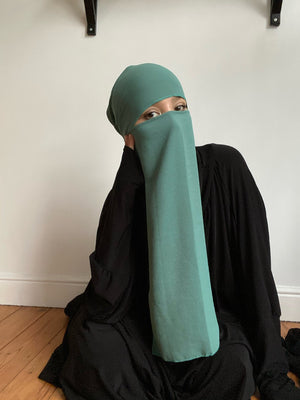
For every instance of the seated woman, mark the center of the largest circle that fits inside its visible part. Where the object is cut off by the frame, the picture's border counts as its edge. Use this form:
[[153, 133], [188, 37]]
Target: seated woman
[[182, 302]]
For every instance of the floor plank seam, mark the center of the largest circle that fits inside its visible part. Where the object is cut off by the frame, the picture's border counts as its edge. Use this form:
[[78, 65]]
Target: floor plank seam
[[21, 331], [3, 319], [32, 360]]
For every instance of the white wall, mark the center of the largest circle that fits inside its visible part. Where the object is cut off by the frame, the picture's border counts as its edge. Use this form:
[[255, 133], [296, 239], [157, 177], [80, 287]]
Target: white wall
[[59, 154]]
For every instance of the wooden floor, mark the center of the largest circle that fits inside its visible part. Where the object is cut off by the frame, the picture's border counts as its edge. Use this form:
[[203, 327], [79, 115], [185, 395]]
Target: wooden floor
[[28, 336]]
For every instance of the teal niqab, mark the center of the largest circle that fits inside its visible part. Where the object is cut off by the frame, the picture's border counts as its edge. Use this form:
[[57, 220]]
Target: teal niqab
[[182, 312]]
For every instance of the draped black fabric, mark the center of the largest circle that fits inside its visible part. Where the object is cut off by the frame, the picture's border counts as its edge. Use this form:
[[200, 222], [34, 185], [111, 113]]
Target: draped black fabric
[[106, 352]]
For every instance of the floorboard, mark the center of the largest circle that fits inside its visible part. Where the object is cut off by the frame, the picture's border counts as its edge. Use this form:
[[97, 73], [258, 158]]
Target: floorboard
[[5, 311], [28, 344], [17, 322], [26, 385]]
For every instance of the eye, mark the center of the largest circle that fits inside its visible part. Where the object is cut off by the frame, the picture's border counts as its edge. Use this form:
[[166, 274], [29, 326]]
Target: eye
[[151, 114], [181, 107]]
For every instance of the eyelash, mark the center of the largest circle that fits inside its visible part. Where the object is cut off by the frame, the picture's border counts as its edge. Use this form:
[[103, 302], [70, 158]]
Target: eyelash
[[184, 106], [148, 115]]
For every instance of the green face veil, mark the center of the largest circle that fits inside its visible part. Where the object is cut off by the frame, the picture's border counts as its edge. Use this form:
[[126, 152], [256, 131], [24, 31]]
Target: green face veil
[[183, 318]]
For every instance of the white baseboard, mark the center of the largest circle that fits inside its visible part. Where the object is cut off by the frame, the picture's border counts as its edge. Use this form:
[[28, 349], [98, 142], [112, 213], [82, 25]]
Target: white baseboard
[[289, 297], [58, 291], [40, 291]]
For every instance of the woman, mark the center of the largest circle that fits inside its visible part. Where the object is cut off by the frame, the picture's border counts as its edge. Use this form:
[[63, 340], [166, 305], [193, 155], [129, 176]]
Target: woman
[[182, 301]]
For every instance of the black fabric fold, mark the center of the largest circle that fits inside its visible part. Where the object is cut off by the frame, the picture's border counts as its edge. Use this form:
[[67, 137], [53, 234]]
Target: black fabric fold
[[114, 306]]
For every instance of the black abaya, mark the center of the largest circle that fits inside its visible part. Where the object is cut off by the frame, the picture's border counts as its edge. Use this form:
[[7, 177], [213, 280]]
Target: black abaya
[[106, 352]]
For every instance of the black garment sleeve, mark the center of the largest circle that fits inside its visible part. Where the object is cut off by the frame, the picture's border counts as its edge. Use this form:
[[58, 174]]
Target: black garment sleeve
[[259, 303], [111, 262]]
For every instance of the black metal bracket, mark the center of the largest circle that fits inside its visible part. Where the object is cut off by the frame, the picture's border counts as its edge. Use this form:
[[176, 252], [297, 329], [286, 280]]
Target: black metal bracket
[[91, 16], [275, 12]]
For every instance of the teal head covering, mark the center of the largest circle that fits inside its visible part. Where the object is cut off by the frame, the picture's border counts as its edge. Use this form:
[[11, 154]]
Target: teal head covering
[[183, 318]]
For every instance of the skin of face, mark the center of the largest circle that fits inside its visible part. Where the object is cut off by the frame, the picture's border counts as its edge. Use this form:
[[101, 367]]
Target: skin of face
[[169, 104]]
